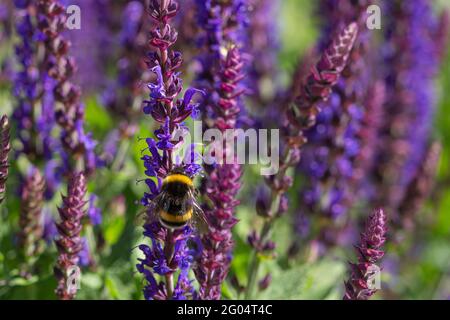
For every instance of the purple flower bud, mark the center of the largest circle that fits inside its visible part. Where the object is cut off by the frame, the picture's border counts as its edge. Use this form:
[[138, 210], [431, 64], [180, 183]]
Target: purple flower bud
[[263, 202], [323, 77], [369, 253], [264, 283]]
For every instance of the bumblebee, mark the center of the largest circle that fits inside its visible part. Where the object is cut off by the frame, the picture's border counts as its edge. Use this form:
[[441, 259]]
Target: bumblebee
[[176, 205]]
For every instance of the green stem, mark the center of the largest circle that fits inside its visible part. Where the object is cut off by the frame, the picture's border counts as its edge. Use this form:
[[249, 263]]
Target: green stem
[[255, 260], [168, 251]]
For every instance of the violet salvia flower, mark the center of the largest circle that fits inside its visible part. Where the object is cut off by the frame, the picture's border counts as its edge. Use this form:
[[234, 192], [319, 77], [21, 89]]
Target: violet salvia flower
[[420, 188], [27, 87], [33, 90], [69, 242], [5, 147], [298, 118], [411, 67], [69, 113], [168, 252], [370, 251], [32, 201]]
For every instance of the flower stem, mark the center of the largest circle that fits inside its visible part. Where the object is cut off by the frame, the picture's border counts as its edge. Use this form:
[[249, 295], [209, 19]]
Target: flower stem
[[169, 285], [264, 236], [168, 251]]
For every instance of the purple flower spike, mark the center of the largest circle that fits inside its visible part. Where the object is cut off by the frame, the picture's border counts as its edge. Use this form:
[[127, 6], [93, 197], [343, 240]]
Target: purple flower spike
[[168, 253], [5, 147], [363, 274], [222, 74], [322, 78], [69, 242], [69, 112], [222, 187], [32, 201]]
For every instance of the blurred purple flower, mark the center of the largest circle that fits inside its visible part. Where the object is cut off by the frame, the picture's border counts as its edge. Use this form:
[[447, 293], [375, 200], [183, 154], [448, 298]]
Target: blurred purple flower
[[32, 201], [411, 65], [94, 213], [27, 81], [50, 231], [84, 256]]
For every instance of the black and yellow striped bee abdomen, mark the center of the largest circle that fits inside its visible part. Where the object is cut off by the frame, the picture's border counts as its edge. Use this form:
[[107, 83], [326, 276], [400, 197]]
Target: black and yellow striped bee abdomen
[[175, 208]]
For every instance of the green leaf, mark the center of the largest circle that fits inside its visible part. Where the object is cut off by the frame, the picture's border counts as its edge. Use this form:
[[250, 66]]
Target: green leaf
[[314, 281], [91, 281], [113, 229], [97, 117], [111, 287], [19, 281]]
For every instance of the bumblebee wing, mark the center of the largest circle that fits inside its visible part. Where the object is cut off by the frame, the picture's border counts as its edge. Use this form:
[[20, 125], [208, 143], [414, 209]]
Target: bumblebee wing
[[150, 213], [199, 219], [146, 215], [141, 217]]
